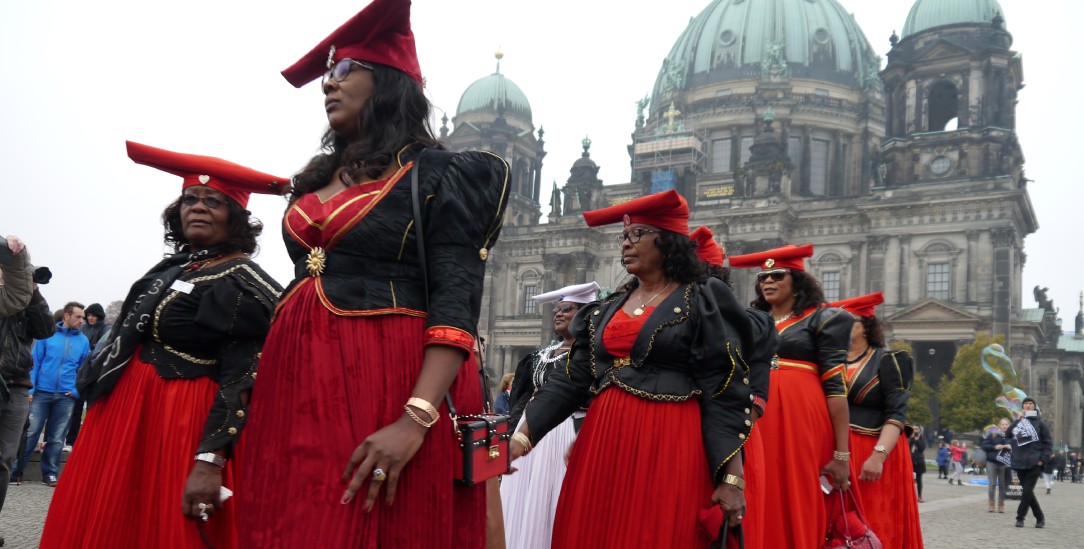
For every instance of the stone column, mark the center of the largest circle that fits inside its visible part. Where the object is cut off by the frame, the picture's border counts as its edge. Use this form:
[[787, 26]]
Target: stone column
[[906, 270], [970, 294], [876, 246], [1004, 242], [856, 263]]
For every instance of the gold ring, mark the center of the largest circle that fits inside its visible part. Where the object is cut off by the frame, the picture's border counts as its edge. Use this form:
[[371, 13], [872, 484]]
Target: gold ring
[[379, 475]]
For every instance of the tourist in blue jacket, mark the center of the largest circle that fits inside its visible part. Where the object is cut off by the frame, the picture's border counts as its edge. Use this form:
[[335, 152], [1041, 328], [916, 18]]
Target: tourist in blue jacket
[[56, 363], [944, 459]]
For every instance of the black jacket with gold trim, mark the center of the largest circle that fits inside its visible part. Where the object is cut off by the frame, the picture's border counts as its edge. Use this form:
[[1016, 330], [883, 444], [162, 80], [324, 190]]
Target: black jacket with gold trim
[[878, 393], [216, 329], [372, 268], [689, 348], [820, 336]]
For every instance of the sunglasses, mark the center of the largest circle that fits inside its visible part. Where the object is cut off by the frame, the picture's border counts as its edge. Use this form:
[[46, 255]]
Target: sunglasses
[[566, 308], [635, 235], [341, 69], [776, 275], [191, 200]]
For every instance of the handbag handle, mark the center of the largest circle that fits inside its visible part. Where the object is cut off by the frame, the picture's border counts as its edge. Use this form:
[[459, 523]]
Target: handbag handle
[[857, 510], [739, 534]]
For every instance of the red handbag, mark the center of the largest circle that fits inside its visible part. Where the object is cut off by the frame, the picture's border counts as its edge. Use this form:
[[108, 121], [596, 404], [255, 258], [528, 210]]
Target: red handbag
[[850, 529], [483, 448]]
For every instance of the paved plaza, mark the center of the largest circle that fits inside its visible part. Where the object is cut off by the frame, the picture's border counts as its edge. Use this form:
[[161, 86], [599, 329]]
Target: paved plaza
[[953, 517]]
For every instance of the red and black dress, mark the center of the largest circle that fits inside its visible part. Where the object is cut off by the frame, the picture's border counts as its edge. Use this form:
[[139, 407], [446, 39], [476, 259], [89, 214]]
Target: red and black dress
[[759, 360], [796, 430], [878, 388], [345, 351], [671, 408], [179, 394]]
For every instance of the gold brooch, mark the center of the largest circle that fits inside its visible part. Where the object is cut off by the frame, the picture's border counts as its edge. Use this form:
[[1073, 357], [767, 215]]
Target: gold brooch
[[316, 261], [483, 254], [769, 263]]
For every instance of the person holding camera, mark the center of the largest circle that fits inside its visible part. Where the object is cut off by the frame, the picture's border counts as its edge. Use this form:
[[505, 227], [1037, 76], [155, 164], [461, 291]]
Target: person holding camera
[[18, 331], [1032, 448], [15, 275]]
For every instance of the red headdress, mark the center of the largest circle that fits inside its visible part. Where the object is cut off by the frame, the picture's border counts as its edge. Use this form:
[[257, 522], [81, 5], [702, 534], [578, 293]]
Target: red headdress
[[380, 33], [788, 257], [233, 180], [666, 210], [706, 248], [861, 305]]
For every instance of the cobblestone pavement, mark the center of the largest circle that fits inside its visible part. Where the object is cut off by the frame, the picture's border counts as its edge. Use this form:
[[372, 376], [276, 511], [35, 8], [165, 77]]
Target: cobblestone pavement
[[953, 517]]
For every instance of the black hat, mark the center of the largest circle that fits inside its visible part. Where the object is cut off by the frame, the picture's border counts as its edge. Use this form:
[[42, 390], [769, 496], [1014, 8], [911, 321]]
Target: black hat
[[96, 310]]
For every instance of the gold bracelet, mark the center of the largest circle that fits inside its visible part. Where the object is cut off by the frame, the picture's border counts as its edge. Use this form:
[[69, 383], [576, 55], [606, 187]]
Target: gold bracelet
[[419, 420], [841, 456], [735, 481], [424, 406], [523, 439]]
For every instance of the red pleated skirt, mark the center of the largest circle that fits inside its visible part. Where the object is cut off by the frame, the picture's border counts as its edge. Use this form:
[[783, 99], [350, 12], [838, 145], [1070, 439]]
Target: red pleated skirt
[[637, 476], [755, 520], [797, 439], [890, 504], [325, 383], [124, 482]]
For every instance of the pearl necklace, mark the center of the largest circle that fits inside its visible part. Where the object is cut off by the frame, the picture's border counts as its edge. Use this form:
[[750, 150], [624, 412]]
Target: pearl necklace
[[538, 376], [640, 310]]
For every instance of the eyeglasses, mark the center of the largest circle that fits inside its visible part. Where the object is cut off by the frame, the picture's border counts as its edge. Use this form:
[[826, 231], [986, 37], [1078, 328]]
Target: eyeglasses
[[565, 309], [191, 200], [342, 68], [776, 275], [635, 235]]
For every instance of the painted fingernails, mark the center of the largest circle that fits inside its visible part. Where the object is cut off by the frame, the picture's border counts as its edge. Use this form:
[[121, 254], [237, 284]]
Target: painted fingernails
[[347, 497]]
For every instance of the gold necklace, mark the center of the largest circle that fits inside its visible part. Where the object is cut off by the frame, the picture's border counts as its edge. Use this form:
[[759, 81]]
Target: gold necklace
[[640, 310], [784, 318]]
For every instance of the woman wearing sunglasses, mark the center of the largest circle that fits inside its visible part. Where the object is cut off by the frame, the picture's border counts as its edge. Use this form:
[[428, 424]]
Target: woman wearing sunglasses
[[529, 497], [661, 358], [878, 388], [169, 393], [805, 427], [368, 339]]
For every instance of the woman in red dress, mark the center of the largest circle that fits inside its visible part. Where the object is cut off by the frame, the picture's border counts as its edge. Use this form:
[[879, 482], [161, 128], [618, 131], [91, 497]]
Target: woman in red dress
[[878, 388], [805, 424], [350, 450], [662, 358], [173, 381]]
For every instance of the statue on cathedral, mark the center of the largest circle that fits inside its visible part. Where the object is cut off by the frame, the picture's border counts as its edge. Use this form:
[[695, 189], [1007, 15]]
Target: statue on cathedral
[[1043, 301], [640, 106]]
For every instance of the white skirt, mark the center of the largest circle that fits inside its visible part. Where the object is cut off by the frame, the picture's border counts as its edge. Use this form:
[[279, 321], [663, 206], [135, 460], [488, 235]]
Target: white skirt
[[529, 496]]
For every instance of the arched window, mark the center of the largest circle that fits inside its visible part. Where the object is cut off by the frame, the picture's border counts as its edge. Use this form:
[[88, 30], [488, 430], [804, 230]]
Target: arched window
[[941, 106], [530, 284]]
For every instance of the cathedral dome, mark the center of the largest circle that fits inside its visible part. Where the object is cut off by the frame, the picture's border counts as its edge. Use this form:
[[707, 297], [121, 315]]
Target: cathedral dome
[[495, 93], [928, 14], [743, 39]]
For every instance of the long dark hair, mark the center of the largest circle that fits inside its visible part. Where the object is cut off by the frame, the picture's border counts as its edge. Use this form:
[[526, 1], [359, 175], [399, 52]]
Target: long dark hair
[[871, 327], [807, 293], [679, 260], [243, 229], [395, 115]]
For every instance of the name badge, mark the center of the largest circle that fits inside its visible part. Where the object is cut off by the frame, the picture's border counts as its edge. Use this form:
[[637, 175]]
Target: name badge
[[182, 286]]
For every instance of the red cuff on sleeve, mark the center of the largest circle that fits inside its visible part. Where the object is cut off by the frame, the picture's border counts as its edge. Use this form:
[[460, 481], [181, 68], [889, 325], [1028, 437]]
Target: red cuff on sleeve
[[447, 335]]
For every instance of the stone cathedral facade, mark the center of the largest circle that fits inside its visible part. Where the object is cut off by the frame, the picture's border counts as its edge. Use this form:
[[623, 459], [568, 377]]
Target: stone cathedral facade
[[780, 124]]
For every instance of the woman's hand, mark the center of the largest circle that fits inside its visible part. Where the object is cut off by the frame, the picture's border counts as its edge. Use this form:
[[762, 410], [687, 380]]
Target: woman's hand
[[873, 467], [15, 244], [840, 473], [732, 501], [203, 486], [388, 450]]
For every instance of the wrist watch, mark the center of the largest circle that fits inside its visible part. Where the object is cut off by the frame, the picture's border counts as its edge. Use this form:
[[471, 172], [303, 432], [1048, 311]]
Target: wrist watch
[[881, 448], [735, 481]]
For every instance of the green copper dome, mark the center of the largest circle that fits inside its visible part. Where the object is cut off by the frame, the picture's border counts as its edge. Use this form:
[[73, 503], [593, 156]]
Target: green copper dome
[[743, 39], [495, 93], [928, 14]]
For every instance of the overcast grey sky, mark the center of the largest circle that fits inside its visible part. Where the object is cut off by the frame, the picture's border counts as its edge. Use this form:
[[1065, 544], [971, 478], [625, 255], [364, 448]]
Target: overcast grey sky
[[202, 77]]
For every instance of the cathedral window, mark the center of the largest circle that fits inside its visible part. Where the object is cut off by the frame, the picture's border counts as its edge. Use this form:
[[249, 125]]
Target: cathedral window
[[818, 167], [529, 305], [937, 280], [720, 156], [942, 103], [1044, 386], [830, 285], [794, 151], [746, 144]]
